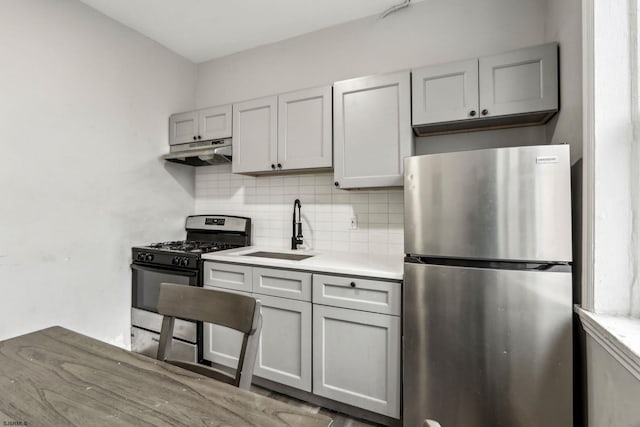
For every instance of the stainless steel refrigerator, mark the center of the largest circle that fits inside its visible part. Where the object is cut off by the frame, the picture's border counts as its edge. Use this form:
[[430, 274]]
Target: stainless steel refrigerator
[[487, 311]]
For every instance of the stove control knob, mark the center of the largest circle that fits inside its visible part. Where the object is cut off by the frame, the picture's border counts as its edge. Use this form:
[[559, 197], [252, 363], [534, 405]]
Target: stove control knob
[[175, 260], [185, 262], [140, 257], [148, 257]]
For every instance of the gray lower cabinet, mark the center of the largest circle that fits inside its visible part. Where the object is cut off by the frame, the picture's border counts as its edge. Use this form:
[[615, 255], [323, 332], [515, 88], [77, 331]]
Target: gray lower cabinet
[[345, 346], [228, 276], [222, 345], [356, 358], [282, 283], [284, 351]]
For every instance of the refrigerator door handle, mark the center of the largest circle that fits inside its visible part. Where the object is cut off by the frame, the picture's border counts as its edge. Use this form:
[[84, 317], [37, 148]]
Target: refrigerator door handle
[[431, 423]]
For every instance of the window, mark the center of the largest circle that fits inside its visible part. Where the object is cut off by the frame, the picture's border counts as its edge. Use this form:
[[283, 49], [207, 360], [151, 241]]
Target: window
[[611, 253]]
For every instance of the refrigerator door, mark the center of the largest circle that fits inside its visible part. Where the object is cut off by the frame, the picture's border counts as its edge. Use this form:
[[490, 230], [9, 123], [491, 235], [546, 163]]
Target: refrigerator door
[[486, 347], [510, 204]]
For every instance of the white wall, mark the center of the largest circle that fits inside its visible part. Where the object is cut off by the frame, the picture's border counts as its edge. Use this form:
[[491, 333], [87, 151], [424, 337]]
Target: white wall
[[563, 24], [84, 103], [612, 391], [429, 32]]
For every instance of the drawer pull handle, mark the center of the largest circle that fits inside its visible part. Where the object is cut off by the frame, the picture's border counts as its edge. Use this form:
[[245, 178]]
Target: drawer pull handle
[[353, 284], [155, 339]]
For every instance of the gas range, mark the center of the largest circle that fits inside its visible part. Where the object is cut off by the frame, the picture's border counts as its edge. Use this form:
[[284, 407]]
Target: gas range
[[178, 262], [205, 233]]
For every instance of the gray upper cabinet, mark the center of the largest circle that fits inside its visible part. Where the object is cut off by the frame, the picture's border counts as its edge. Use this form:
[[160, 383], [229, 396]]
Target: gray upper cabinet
[[183, 128], [515, 88], [521, 81], [201, 125], [215, 122], [304, 129], [291, 131], [444, 93], [372, 130], [255, 135]]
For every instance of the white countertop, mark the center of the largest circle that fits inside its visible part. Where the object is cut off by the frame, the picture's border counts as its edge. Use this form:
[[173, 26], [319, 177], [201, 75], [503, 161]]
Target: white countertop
[[368, 265]]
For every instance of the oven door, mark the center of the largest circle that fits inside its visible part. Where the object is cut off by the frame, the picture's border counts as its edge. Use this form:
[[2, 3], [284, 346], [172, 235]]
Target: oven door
[[145, 320], [146, 281]]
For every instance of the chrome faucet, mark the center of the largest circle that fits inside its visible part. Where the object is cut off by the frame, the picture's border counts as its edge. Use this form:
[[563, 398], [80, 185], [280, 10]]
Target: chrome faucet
[[296, 237]]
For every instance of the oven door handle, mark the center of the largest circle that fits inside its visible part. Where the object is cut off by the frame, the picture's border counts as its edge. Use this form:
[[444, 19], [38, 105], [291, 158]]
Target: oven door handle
[[164, 270]]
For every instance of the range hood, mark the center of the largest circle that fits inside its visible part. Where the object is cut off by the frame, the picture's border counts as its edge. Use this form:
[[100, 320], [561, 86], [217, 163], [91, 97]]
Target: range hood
[[204, 153]]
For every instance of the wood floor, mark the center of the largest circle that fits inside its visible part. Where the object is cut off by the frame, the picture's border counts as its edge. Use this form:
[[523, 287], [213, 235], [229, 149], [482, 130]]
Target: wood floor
[[339, 419]]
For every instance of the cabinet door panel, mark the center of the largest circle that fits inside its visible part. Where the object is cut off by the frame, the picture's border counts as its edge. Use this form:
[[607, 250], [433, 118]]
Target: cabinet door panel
[[372, 130], [255, 135], [521, 81], [356, 358], [183, 127], [215, 122], [284, 351], [304, 129], [445, 92]]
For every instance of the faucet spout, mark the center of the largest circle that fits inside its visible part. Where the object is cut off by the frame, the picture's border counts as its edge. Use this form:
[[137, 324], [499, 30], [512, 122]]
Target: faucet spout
[[296, 231]]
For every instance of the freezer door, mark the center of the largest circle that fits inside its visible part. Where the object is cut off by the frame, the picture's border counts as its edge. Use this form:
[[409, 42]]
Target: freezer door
[[486, 347], [498, 204]]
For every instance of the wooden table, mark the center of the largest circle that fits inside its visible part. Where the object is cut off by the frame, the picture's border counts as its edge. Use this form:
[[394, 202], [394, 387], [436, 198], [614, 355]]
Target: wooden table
[[57, 377]]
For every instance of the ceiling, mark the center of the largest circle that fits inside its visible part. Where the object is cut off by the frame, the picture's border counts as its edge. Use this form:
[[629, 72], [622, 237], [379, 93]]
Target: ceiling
[[201, 30]]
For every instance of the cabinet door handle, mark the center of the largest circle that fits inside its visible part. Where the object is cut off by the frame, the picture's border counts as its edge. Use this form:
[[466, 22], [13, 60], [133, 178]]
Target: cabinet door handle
[[353, 284], [279, 165], [195, 137], [199, 137], [472, 113], [337, 184], [485, 112], [273, 166]]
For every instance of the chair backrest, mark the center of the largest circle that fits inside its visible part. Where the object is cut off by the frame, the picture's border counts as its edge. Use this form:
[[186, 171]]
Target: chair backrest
[[239, 312]]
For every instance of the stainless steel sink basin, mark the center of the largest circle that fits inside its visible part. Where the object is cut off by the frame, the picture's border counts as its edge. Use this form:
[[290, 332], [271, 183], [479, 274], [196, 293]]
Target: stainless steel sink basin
[[278, 255]]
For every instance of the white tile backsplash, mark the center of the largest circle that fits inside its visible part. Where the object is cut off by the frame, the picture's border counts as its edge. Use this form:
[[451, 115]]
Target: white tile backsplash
[[326, 210]]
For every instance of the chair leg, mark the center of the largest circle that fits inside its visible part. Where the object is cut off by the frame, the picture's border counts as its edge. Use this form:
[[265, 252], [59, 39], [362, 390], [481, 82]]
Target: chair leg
[[166, 334], [251, 351]]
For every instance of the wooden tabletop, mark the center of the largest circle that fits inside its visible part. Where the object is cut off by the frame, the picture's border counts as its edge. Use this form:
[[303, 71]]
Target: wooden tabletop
[[57, 377]]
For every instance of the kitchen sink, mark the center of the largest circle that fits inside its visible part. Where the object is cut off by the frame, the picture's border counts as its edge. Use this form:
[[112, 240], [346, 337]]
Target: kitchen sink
[[278, 255]]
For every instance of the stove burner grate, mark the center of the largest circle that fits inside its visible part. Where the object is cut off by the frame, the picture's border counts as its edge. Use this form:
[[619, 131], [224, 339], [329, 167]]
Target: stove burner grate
[[192, 246]]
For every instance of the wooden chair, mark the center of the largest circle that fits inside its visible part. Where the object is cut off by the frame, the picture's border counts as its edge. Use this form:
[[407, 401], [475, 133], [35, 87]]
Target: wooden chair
[[234, 311]]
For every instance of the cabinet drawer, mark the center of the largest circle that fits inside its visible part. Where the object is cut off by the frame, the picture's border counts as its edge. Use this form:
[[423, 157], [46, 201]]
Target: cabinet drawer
[[228, 276], [282, 283], [358, 294]]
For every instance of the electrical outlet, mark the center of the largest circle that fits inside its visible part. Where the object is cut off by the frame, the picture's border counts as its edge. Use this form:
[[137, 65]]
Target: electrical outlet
[[353, 223]]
